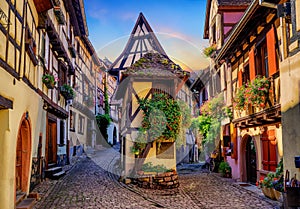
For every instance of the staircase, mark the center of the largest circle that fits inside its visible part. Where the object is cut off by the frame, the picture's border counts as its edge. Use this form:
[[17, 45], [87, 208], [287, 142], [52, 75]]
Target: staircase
[[25, 203], [54, 172]]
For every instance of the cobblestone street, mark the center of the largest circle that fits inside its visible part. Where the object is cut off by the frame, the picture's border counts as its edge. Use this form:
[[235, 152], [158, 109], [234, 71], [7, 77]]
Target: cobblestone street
[[89, 184]]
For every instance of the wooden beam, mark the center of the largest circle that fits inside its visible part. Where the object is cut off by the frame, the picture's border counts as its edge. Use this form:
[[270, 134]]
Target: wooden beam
[[5, 103], [181, 84]]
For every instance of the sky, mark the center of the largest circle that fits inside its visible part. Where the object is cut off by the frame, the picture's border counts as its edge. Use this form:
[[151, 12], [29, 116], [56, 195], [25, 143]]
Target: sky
[[178, 25]]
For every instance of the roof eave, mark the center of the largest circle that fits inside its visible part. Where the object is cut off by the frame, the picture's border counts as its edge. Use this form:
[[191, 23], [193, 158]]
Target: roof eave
[[237, 29]]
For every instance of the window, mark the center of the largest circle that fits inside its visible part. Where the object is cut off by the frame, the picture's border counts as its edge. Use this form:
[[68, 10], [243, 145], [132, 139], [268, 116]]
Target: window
[[30, 46], [269, 155], [227, 140], [72, 120], [165, 151], [246, 74], [62, 133], [261, 60], [62, 74], [81, 121], [214, 34]]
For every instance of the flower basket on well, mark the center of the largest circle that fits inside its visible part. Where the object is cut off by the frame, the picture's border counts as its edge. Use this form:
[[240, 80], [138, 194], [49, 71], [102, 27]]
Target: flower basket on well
[[49, 80], [67, 92]]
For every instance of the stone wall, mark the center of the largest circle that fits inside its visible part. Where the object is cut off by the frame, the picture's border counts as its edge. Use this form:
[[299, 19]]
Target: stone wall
[[154, 180]]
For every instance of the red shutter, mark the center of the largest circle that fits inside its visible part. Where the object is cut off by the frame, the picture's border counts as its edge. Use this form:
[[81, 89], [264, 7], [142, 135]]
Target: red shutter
[[240, 78], [265, 151], [234, 149], [252, 64], [272, 150], [272, 58]]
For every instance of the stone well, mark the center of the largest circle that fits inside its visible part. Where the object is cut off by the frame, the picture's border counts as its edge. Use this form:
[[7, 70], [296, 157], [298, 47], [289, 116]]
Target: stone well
[[154, 180]]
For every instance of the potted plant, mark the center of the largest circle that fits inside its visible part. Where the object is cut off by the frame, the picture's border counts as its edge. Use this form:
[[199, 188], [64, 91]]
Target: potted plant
[[225, 169], [259, 90], [67, 91], [208, 51], [49, 80], [254, 93]]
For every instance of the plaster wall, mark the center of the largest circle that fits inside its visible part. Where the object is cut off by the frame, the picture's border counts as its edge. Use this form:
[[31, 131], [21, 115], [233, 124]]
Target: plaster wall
[[290, 109], [24, 100]]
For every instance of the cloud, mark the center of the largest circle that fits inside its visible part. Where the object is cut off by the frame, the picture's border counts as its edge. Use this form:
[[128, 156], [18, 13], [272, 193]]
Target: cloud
[[98, 14], [127, 16]]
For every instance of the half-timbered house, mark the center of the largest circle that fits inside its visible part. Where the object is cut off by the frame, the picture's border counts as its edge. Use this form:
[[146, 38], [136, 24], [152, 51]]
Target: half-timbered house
[[249, 77], [161, 76]]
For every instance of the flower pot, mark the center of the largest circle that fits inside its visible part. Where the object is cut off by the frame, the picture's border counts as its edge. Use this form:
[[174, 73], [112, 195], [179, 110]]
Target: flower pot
[[67, 96], [50, 85], [268, 192], [275, 194]]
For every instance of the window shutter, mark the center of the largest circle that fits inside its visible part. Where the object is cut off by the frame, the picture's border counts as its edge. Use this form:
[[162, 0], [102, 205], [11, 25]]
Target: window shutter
[[252, 64], [272, 58], [233, 147], [240, 78], [272, 150], [265, 151]]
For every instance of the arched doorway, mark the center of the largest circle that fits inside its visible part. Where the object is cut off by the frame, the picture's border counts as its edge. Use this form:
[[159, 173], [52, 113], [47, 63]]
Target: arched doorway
[[23, 156], [250, 158]]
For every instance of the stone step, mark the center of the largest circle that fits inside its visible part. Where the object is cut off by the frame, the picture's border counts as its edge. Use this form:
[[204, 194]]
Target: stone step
[[58, 175], [51, 165], [26, 203], [51, 171], [20, 197]]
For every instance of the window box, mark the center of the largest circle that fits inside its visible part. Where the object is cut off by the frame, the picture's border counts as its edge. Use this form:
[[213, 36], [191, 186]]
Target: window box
[[72, 50], [59, 15], [67, 92]]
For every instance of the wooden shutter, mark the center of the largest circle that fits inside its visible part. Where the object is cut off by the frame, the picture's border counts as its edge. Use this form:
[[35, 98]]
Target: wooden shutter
[[272, 150], [265, 151], [240, 78], [233, 131], [252, 64], [272, 58]]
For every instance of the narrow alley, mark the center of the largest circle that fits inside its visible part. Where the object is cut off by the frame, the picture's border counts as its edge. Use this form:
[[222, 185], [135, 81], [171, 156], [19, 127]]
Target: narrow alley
[[93, 183]]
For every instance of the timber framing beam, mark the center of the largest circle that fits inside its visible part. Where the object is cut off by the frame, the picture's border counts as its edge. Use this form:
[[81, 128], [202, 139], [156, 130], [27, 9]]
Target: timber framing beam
[[268, 116]]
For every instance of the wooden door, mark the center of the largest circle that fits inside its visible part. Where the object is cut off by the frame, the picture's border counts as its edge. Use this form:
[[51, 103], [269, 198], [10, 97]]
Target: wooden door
[[251, 160], [51, 142], [19, 165], [23, 157]]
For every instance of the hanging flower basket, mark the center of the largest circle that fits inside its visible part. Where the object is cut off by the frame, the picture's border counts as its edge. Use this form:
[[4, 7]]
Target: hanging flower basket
[[49, 80], [67, 92]]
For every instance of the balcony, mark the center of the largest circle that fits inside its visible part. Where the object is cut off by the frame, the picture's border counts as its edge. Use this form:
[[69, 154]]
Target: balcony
[[56, 42], [268, 112], [72, 50]]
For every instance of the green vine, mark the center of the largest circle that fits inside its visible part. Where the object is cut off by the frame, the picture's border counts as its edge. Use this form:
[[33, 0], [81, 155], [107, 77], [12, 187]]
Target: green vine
[[209, 122], [164, 119]]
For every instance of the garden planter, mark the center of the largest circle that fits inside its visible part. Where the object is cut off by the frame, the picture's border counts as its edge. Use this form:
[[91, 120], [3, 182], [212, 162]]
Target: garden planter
[[50, 85], [276, 194], [271, 193]]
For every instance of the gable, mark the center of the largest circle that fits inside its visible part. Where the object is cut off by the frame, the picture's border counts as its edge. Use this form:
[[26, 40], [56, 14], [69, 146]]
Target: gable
[[142, 41]]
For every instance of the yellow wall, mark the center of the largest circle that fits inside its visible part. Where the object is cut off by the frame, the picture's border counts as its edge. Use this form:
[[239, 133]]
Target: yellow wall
[[142, 89], [24, 100], [290, 91]]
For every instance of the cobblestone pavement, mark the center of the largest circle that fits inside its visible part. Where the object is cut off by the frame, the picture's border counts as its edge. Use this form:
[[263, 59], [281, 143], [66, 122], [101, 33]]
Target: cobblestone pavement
[[89, 184]]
